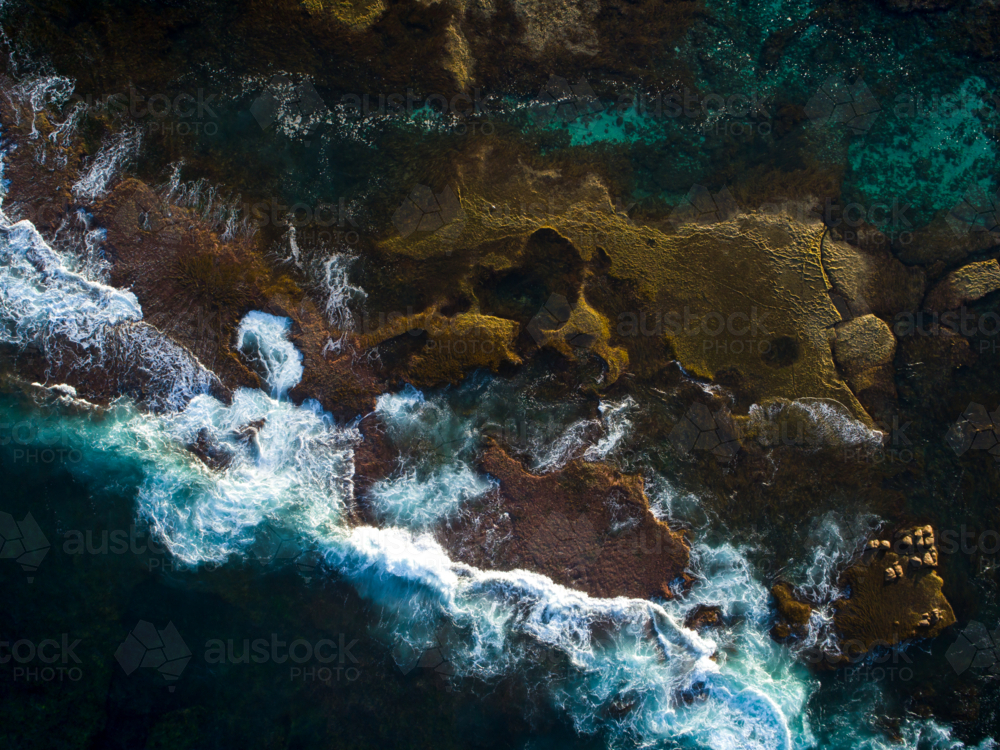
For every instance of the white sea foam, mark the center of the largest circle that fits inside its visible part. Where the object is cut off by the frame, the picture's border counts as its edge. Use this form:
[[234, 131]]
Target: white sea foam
[[297, 472], [108, 164], [264, 339], [48, 302], [42, 296], [338, 291], [417, 499], [551, 455], [810, 423], [172, 374], [616, 428], [437, 479], [40, 93], [329, 273]]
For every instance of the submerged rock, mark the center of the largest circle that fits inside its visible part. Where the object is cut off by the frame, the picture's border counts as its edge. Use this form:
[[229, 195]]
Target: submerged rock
[[213, 455]]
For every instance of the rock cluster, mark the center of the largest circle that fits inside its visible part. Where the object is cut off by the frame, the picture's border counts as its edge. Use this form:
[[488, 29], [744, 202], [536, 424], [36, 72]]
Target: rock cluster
[[915, 546], [927, 619]]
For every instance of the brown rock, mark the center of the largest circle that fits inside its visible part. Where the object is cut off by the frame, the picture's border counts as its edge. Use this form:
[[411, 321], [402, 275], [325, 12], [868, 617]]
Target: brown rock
[[872, 280], [877, 613], [586, 526], [703, 616], [793, 613]]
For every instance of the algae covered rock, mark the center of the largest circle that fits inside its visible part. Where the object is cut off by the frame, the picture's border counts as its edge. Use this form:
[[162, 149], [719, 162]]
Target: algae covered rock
[[871, 280], [966, 284], [704, 616], [863, 344], [893, 596], [864, 349], [449, 346], [761, 318], [793, 613], [570, 329]]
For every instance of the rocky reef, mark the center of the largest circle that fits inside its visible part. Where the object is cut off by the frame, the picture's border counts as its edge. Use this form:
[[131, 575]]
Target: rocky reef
[[774, 360]]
